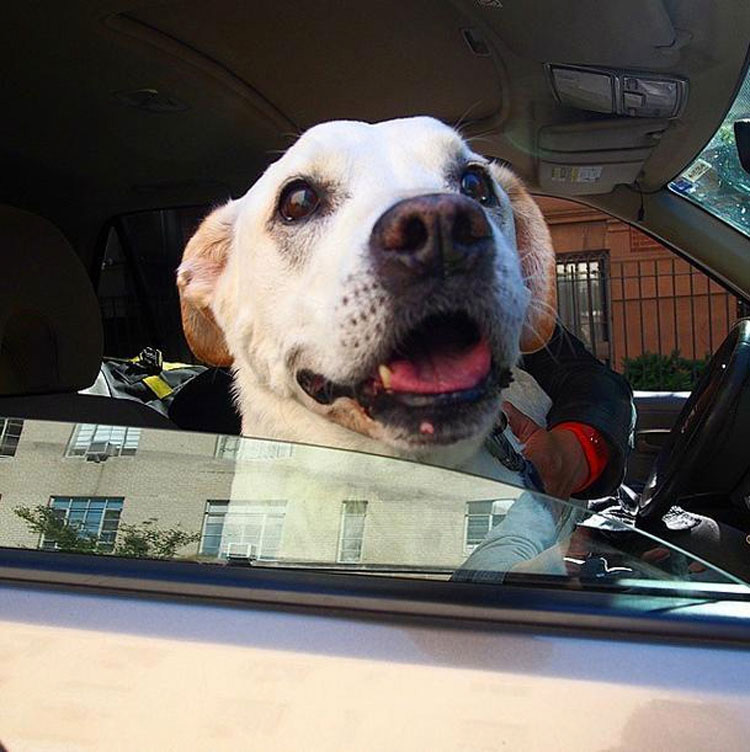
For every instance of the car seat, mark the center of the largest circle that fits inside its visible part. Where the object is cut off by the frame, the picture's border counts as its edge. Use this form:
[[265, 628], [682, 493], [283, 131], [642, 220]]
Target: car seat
[[51, 337]]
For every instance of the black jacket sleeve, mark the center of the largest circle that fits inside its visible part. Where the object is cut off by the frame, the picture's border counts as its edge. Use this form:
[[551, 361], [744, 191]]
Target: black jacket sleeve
[[586, 391]]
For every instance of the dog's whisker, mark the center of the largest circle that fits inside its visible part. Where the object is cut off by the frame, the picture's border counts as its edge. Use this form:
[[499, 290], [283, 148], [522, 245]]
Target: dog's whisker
[[459, 124], [481, 136], [549, 310], [543, 306]]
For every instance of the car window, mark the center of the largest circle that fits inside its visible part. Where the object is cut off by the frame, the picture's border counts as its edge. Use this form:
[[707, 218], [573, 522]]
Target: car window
[[136, 282], [637, 306], [641, 309], [716, 180], [156, 494]]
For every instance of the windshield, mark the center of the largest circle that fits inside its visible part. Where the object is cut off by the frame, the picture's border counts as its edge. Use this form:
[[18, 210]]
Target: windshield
[[238, 501], [716, 180]]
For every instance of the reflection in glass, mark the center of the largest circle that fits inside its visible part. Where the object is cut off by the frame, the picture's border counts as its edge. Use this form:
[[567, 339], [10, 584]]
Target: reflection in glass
[[89, 517], [278, 505]]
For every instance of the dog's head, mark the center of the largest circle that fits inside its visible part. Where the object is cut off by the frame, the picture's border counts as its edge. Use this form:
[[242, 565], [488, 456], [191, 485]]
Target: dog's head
[[385, 276]]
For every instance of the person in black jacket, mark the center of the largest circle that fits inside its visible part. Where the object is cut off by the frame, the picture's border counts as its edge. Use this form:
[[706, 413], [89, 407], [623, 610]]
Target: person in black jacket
[[583, 450]]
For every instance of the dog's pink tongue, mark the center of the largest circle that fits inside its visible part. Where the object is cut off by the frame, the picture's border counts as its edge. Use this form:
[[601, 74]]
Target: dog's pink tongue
[[438, 372]]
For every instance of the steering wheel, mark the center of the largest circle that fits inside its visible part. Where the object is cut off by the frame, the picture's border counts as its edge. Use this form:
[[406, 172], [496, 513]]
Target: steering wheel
[[708, 450]]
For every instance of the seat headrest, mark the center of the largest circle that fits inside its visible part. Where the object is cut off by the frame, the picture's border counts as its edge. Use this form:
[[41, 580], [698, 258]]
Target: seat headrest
[[50, 323]]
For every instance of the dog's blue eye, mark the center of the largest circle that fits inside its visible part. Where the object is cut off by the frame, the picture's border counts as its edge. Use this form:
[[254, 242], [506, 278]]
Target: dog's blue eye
[[298, 200], [476, 184]]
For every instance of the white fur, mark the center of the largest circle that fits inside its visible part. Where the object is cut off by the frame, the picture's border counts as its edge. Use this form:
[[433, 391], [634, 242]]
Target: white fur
[[268, 307]]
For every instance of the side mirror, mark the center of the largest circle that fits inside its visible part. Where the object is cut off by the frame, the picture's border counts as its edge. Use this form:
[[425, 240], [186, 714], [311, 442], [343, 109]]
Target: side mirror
[[742, 138]]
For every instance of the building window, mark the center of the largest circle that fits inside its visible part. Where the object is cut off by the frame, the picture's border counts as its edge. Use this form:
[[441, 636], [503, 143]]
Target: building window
[[227, 447], [248, 529], [10, 433], [352, 531], [94, 516], [100, 442], [481, 517], [582, 299], [235, 447]]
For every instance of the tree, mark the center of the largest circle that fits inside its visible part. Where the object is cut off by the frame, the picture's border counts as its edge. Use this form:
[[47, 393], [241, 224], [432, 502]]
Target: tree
[[143, 540]]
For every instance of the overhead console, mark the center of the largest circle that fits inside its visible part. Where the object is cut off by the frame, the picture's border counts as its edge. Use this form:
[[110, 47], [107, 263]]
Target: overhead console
[[618, 92], [595, 155], [604, 94]]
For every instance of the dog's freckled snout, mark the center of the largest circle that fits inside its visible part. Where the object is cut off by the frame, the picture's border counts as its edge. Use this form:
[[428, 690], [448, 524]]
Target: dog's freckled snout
[[432, 235]]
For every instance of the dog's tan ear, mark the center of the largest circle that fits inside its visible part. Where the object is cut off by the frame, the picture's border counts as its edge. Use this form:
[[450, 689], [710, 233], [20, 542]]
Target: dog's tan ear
[[203, 262], [537, 261]]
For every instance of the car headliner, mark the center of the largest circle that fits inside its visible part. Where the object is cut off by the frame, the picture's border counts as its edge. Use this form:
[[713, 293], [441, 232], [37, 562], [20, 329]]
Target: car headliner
[[239, 80]]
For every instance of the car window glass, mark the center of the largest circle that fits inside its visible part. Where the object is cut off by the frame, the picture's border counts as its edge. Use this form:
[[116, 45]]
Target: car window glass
[[716, 180], [136, 286], [219, 499], [641, 309]]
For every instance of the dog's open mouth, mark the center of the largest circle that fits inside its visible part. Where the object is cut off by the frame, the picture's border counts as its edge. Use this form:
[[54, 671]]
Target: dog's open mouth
[[443, 355], [442, 365]]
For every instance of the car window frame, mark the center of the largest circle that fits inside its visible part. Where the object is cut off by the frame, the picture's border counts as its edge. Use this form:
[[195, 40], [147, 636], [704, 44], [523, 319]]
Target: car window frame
[[706, 614]]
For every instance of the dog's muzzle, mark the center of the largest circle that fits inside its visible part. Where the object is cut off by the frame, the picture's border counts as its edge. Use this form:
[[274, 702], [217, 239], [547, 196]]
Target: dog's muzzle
[[436, 235], [442, 376], [439, 372]]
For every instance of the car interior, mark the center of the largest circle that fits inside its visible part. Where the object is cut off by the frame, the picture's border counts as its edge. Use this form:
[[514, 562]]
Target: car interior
[[122, 115]]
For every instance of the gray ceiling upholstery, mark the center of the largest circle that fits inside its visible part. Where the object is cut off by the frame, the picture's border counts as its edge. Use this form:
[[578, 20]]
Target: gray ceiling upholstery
[[246, 76]]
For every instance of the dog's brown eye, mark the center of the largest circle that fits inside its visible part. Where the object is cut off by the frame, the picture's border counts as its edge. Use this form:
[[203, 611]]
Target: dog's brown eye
[[298, 200], [476, 184]]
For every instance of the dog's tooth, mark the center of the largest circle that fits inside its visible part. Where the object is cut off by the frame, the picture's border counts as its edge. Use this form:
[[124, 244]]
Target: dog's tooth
[[385, 375]]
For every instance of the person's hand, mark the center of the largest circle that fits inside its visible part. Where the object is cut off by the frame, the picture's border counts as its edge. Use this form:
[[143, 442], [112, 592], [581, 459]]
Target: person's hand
[[556, 454]]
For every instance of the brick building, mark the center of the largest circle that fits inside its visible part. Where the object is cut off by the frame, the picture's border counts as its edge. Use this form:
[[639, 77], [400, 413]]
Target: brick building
[[625, 294]]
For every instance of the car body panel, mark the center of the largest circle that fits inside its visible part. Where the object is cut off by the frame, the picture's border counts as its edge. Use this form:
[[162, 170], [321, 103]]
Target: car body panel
[[122, 673]]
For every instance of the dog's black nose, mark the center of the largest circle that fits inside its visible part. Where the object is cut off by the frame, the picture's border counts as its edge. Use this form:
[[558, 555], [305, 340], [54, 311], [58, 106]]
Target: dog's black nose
[[434, 235]]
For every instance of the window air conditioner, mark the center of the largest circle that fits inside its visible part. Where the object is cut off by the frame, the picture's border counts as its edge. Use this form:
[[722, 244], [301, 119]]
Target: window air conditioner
[[99, 451], [244, 551]]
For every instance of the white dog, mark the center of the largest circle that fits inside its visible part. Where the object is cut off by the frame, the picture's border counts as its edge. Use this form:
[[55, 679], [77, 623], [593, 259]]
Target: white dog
[[373, 291]]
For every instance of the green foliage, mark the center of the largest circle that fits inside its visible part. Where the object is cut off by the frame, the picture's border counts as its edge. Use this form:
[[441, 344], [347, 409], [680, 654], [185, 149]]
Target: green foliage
[[143, 540], [146, 540], [655, 372], [50, 523], [725, 134]]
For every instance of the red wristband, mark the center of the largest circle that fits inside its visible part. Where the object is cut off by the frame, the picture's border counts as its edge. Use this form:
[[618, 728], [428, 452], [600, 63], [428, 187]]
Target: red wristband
[[594, 447]]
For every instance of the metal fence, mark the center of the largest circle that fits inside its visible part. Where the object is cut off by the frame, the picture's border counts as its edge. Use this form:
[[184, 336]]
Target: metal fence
[[655, 320]]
